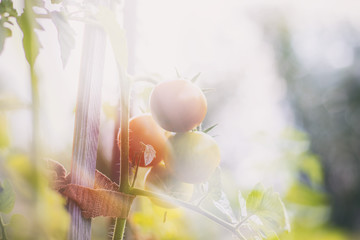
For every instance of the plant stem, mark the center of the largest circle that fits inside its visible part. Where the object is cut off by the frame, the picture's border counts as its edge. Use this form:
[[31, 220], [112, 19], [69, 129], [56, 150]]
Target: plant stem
[[35, 109], [124, 131], [3, 231], [243, 221], [119, 228], [136, 170], [71, 18], [124, 148], [228, 226]]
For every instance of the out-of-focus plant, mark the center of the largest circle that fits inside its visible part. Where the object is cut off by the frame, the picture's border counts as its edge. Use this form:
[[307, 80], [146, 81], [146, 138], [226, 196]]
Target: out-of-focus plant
[[324, 96]]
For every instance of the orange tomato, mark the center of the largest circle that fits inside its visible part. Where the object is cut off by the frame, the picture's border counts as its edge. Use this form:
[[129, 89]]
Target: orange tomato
[[146, 137], [178, 106]]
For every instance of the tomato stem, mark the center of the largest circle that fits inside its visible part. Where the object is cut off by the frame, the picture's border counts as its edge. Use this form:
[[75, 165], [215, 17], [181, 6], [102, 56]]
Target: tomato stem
[[231, 227], [124, 147], [3, 231], [119, 228], [136, 170]]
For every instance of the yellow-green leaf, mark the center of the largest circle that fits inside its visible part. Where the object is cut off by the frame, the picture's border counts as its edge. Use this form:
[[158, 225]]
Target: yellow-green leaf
[[266, 212], [7, 197]]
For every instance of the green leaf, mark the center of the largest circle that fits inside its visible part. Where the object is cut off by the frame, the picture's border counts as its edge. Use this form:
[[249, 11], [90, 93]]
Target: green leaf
[[17, 222], [65, 35], [7, 197], [28, 24], [117, 36], [4, 33], [223, 205], [311, 165], [195, 78], [4, 132], [266, 211], [6, 6], [242, 208], [302, 194], [210, 128]]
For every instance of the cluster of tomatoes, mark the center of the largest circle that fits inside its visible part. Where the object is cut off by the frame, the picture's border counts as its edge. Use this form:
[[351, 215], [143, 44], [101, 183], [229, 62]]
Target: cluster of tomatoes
[[166, 141]]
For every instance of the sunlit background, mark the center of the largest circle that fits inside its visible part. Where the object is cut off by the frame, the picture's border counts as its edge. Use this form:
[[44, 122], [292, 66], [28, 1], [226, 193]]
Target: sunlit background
[[283, 85]]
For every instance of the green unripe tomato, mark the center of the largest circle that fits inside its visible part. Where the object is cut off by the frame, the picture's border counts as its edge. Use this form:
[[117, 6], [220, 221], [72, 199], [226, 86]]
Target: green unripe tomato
[[193, 157]]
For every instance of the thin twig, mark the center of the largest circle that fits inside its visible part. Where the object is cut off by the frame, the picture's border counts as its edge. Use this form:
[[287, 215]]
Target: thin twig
[[71, 18], [194, 208], [124, 147], [136, 171], [3, 231], [202, 199], [242, 221]]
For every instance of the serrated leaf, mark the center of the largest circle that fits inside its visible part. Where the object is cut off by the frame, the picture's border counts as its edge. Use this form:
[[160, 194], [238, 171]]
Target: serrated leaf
[[65, 35], [149, 154], [255, 197], [28, 24], [249, 233], [7, 197], [4, 33], [254, 229], [116, 33], [267, 206], [223, 205], [242, 204], [6, 6]]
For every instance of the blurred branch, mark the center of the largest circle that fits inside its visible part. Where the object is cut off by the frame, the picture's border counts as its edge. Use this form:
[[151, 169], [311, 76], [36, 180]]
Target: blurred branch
[[124, 146], [231, 227], [3, 231], [71, 18]]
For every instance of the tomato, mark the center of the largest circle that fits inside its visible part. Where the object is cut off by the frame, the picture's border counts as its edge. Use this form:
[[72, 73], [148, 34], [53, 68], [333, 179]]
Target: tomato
[[159, 179], [145, 133], [193, 157], [178, 105]]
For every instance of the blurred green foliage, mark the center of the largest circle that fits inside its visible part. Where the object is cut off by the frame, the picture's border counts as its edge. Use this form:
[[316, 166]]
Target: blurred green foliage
[[152, 222], [7, 197], [325, 101]]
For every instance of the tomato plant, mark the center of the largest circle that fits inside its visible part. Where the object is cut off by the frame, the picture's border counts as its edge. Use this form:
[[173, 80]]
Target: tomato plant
[[194, 156], [178, 105], [146, 137]]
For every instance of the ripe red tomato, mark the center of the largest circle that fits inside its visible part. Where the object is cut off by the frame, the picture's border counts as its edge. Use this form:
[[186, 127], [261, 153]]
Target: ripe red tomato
[[193, 157], [178, 106], [146, 135], [159, 179]]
